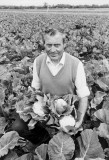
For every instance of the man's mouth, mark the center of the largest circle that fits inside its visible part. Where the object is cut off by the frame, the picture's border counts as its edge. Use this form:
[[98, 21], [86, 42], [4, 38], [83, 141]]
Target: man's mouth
[[53, 55]]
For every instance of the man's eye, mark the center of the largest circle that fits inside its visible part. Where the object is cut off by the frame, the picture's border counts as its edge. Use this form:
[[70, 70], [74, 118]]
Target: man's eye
[[49, 45], [56, 45]]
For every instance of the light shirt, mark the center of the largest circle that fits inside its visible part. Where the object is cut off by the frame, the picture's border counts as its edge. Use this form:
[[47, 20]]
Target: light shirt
[[55, 68], [80, 81]]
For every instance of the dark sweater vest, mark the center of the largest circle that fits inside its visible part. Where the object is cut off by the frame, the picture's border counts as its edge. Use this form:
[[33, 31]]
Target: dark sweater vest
[[61, 84]]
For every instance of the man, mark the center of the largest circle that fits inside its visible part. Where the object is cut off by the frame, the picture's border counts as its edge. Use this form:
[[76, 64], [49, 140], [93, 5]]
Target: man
[[58, 73]]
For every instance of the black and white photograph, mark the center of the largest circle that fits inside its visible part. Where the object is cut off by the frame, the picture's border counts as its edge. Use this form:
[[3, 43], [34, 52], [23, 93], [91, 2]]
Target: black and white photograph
[[54, 80]]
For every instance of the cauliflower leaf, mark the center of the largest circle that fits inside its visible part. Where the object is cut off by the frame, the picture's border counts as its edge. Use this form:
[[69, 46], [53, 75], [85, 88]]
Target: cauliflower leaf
[[90, 146], [61, 146]]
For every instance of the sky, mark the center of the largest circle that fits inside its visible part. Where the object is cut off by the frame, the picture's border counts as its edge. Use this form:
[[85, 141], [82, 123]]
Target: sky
[[51, 2]]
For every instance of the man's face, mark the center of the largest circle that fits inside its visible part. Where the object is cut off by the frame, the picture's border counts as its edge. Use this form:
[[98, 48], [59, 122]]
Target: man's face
[[54, 47]]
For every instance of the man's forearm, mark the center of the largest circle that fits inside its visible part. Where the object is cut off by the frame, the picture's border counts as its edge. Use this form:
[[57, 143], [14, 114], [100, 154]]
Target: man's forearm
[[83, 102]]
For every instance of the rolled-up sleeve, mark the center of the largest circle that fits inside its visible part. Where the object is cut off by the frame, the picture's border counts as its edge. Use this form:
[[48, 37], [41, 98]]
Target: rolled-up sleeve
[[80, 82], [36, 81]]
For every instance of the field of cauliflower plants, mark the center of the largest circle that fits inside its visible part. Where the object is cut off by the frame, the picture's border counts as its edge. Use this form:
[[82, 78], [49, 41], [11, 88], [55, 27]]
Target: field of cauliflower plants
[[87, 37]]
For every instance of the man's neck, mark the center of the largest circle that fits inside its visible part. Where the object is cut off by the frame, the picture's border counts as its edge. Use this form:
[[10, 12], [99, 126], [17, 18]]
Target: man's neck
[[56, 62]]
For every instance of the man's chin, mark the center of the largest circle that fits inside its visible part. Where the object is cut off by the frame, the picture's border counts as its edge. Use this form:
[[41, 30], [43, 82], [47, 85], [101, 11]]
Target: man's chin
[[54, 58]]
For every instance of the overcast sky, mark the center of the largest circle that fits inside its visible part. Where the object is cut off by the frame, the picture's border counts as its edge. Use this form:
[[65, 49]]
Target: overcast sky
[[51, 2]]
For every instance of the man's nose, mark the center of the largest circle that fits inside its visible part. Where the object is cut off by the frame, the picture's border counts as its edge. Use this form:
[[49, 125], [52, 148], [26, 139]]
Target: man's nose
[[53, 49]]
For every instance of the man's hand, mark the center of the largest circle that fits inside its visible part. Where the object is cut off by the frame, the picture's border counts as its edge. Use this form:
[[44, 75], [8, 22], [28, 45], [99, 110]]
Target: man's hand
[[78, 124], [81, 111], [76, 128]]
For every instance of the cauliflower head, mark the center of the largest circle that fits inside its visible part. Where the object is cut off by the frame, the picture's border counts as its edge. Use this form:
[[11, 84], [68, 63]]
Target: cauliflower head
[[67, 121], [60, 105], [38, 109]]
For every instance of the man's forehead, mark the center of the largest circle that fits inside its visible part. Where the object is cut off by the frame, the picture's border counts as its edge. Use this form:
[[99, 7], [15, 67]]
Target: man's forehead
[[57, 35]]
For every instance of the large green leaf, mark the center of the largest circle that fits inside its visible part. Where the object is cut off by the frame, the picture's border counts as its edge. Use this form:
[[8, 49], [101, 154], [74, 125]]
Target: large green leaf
[[102, 84], [105, 79], [103, 115], [89, 145], [41, 151], [61, 147], [3, 124], [2, 96], [28, 156], [8, 141], [96, 159], [103, 130], [106, 103], [79, 158], [11, 156], [4, 72], [99, 97], [89, 159]]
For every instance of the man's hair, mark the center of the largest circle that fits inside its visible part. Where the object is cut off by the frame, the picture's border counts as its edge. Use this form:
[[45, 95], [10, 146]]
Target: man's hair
[[53, 32]]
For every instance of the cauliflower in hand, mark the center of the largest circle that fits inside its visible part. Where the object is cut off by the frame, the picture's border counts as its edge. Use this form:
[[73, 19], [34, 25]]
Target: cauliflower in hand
[[67, 122], [38, 109], [60, 105]]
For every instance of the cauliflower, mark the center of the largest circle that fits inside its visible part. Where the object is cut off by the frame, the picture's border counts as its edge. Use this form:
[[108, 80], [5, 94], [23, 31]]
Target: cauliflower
[[38, 109], [60, 105], [67, 121]]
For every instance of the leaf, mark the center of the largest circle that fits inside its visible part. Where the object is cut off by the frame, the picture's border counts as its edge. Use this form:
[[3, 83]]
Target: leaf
[[8, 141], [3, 124], [24, 117], [4, 73], [51, 120], [20, 106], [103, 130], [2, 96], [96, 159], [106, 151], [99, 97], [102, 115], [61, 146], [102, 85], [31, 124], [89, 159], [105, 79], [106, 103], [16, 82], [28, 156], [25, 61], [89, 145], [93, 105], [11, 156], [41, 151], [70, 99], [106, 64], [79, 158]]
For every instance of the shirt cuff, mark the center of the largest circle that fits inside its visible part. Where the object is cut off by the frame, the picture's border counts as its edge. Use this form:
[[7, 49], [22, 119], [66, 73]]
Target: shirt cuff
[[83, 92], [35, 85]]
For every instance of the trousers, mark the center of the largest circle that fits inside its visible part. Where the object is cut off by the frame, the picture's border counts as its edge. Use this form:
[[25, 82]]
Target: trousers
[[38, 135]]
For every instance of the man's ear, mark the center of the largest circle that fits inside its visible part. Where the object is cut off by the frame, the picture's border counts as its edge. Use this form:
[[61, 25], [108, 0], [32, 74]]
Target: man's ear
[[64, 45], [64, 40]]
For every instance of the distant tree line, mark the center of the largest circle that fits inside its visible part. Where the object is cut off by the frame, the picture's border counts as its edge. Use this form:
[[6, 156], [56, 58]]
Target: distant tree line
[[55, 6], [72, 6], [18, 7]]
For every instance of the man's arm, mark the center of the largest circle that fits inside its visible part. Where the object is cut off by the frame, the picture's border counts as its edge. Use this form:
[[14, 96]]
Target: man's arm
[[83, 102], [35, 82], [82, 92]]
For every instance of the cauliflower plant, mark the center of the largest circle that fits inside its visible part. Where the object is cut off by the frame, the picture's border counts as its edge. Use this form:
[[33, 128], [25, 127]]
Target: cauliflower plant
[[67, 121], [60, 105], [38, 108]]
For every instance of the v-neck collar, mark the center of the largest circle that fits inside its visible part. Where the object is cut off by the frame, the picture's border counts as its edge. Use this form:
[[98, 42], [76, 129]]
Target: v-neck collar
[[62, 61], [59, 72]]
